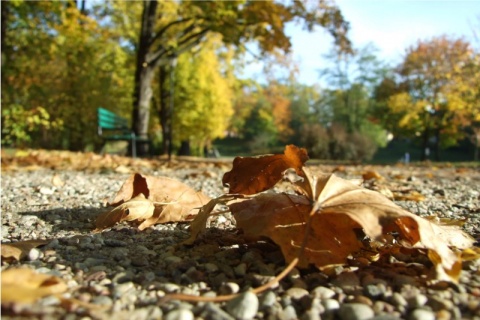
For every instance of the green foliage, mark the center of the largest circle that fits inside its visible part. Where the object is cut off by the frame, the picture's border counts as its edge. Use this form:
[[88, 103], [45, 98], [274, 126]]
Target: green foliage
[[436, 99], [19, 125], [203, 97], [64, 61]]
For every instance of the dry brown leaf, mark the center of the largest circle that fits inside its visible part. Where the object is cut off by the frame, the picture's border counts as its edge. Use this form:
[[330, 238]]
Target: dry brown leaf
[[57, 181], [252, 175], [137, 208], [413, 196], [372, 174], [344, 209], [25, 286], [152, 200], [200, 221], [18, 250]]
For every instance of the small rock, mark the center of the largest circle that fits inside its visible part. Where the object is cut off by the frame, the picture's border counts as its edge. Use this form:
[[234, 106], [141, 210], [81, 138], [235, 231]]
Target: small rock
[[443, 315], [422, 314], [121, 289], [355, 311], [179, 314], [245, 306], [417, 301], [363, 300], [330, 304], [210, 267], [346, 279], [268, 299], [399, 300], [102, 300], [374, 291], [438, 303], [34, 254], [288, 313], [296, 293], [115, 243], [229, 288], [213, 312], [323, 293]]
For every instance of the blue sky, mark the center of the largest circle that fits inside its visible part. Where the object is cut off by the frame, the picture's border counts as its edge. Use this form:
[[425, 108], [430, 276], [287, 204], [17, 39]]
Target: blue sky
[[391, 25]]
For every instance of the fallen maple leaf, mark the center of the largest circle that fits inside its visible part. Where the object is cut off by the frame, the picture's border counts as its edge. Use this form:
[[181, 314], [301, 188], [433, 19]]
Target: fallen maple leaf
[[335, 210], [251, 175], [26, 286], [343, 209], [18, 250], [152, 200]]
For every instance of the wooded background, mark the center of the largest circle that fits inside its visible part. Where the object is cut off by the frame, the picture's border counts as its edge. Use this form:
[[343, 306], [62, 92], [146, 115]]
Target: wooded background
[[174, 69]]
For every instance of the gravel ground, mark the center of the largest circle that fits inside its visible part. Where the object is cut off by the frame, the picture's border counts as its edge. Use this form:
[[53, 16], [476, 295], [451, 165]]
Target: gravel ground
[[126, 272]]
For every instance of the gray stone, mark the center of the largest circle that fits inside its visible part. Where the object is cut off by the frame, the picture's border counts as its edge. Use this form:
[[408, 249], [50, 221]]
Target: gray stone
[[399, 300], [214, 312], [355, 311], [374, 291], [330, 304], [103, 300], [34, 254], [296, 293], [417, 301], [245, 306], [323, 293], [289, 313], [179, 314], [422, 314], [346, 279], [121, 289], [229, 288], [268, 299]]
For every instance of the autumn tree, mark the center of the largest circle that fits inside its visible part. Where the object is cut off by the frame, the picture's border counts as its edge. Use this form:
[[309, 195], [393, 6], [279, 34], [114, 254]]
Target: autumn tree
[[169, 29], [435, 103], [203, 97], [347, 106], [61, 64]]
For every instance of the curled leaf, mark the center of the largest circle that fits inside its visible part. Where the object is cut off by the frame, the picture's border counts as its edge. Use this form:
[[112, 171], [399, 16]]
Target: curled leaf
[[151, 200], [26, 286], [252, 175], [18, 250]]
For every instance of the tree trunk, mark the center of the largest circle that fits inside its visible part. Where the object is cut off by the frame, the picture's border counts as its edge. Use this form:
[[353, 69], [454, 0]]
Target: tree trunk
[[437, 145], [184, 148], [144, 74], [4, 22], [425, 147], [163, 111]]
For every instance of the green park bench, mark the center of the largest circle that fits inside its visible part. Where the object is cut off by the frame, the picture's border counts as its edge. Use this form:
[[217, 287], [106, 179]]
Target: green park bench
[[112, 127]]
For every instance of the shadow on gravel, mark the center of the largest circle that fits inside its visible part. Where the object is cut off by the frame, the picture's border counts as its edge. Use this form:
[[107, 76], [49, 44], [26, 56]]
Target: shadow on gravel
[[71, 219]]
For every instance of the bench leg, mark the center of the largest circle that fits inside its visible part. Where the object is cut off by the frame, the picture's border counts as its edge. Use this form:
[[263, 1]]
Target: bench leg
[[134, 148]]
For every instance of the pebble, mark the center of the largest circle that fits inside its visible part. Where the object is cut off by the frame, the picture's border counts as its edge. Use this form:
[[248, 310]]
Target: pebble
[[229, 288], [122, 289], [244, 307], [296, 293], [417, 301], [34, 254], [179, 314], [323, 293], [268, 299], [289, 313], [330, 304], [102, 300], [355, 311], [422, 314]]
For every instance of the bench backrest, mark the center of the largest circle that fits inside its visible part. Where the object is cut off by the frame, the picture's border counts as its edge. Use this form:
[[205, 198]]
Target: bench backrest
[[110, 121]]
